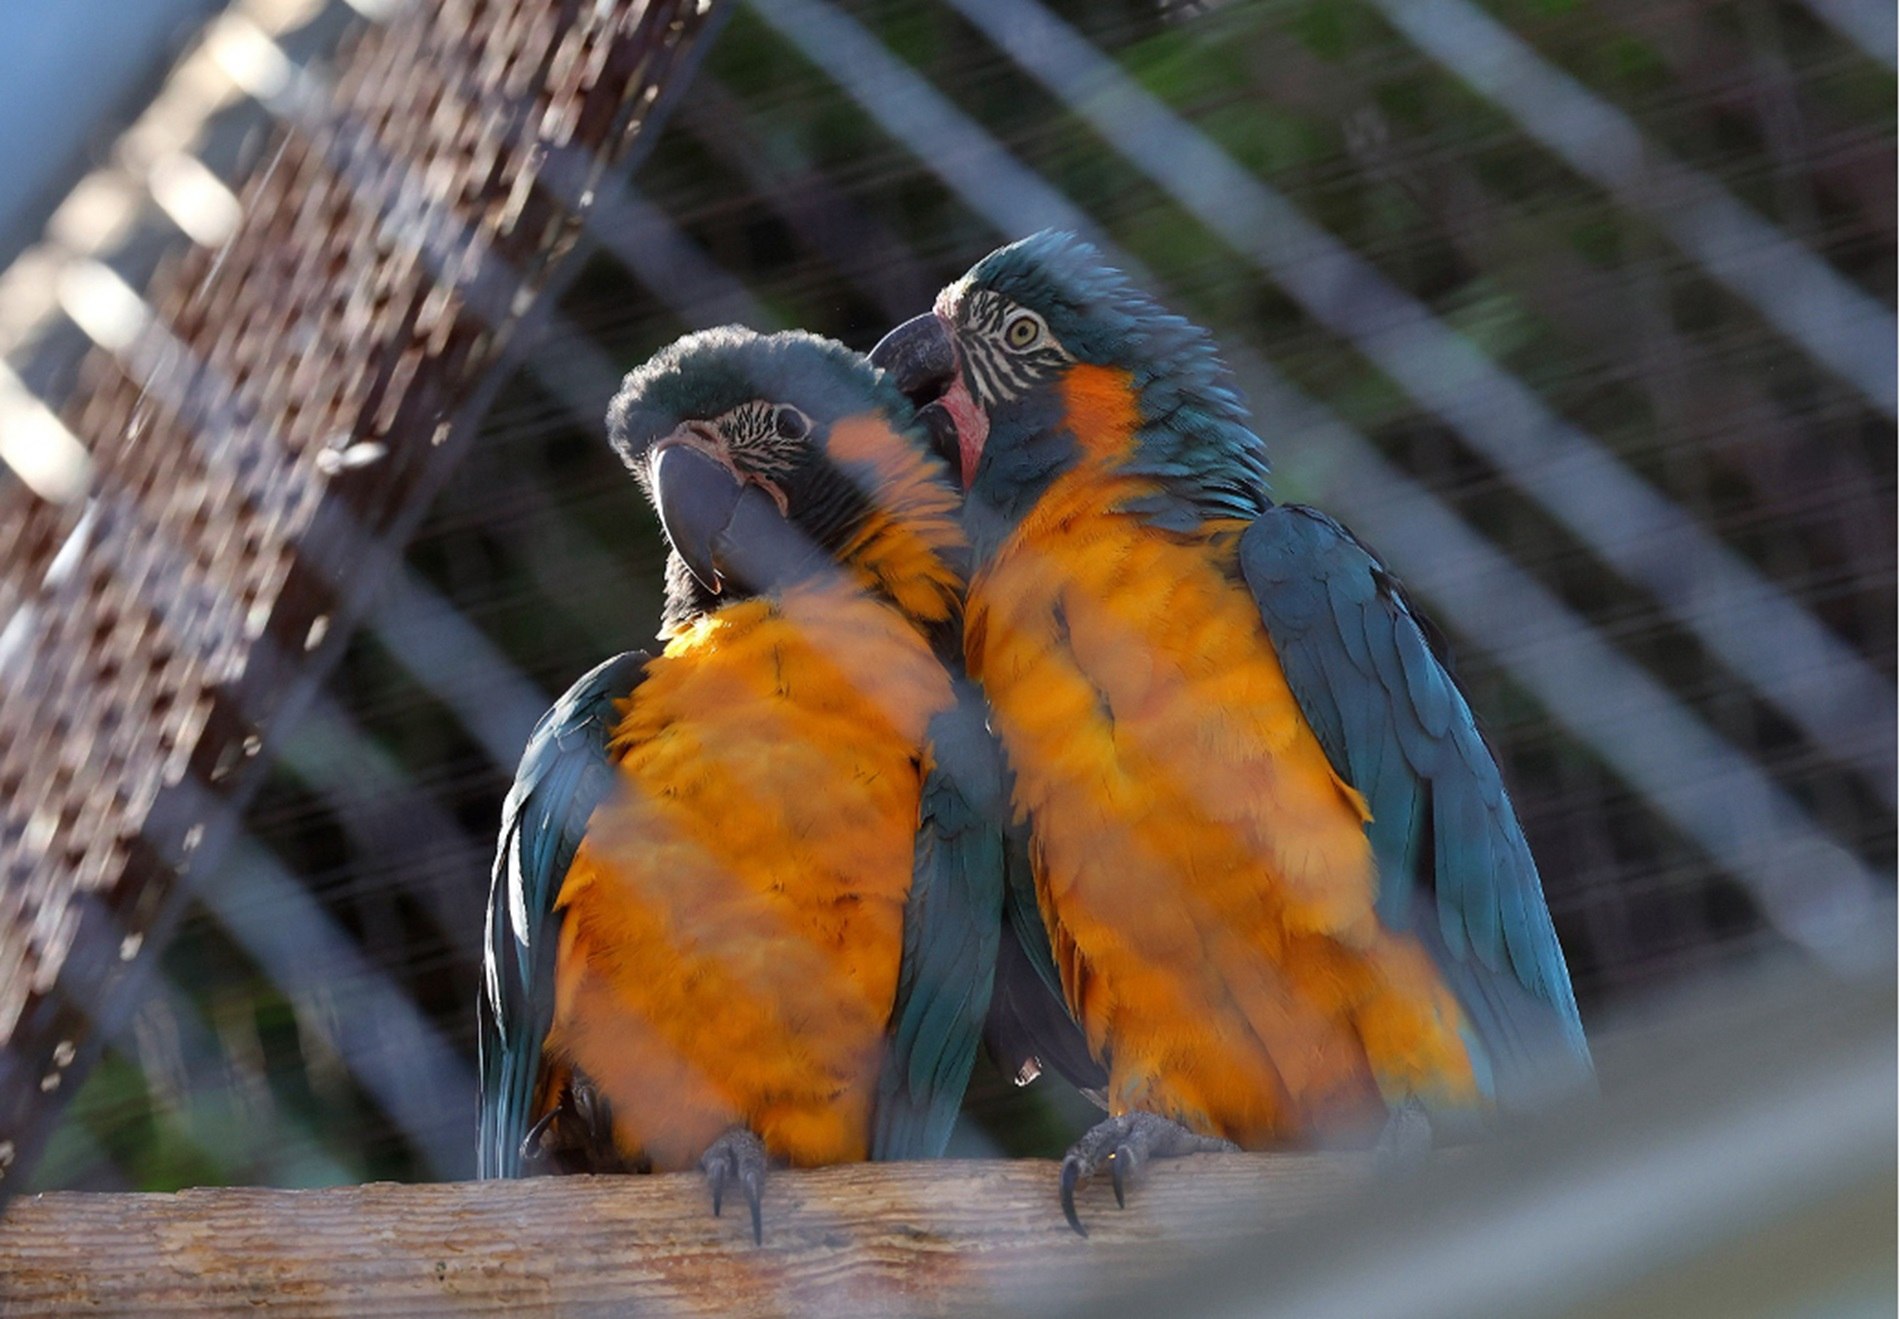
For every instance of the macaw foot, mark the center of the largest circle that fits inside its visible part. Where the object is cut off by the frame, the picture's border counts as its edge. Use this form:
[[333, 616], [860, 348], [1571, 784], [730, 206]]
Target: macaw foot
[[1405, 1142], [574, 1136], [1122, 1144], [535, 1146], [737, 1159]]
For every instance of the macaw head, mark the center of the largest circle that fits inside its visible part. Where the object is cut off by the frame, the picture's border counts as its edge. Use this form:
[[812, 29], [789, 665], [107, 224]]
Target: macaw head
[[1035, 331], [777, 458]]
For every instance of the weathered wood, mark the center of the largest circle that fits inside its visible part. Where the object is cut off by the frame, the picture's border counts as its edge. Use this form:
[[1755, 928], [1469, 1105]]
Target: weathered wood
[[1741, 1154], [927, 1238]]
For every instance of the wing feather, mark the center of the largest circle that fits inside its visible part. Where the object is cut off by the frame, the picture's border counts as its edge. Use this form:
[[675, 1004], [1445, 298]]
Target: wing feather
[[952, 923], [564, 773], [1394, 724]]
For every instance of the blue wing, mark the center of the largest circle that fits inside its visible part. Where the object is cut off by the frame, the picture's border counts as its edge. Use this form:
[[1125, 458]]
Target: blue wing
[[952, 923], [1453, 863], [977, 964], [1030, 1028], [564, 774]]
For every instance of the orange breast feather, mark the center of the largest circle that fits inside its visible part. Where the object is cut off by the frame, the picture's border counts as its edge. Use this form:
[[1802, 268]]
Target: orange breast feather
[[733, 920], [1204, 873]]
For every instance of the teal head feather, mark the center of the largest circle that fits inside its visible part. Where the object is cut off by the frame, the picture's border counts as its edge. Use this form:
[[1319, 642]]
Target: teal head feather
[[762, 407], [1026, 313]]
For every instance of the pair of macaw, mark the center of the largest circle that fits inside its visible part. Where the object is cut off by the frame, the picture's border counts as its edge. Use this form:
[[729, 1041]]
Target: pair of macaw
[[1112, 761]]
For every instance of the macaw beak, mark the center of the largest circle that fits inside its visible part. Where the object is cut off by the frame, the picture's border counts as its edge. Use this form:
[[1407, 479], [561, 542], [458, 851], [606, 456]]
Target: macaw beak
[[921, 357], [723, 528]]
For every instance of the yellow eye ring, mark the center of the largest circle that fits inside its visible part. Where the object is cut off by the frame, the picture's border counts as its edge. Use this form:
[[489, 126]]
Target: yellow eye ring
[[1023, 330]]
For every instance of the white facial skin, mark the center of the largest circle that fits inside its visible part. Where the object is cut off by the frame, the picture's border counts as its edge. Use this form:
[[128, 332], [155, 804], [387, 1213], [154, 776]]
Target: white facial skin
[[756, 441], [1004, 349]]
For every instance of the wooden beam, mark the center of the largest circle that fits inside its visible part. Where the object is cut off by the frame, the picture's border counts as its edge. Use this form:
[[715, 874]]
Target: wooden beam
[[926, 1238], [1742, 1150]]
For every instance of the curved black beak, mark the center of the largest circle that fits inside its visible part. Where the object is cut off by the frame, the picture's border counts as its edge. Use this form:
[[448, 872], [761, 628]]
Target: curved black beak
[[920, 356], [724, 529], [696, 497]]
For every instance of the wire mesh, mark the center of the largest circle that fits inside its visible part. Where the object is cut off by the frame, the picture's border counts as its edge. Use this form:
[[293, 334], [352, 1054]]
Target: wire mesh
[[259, 435], [1583, 315]]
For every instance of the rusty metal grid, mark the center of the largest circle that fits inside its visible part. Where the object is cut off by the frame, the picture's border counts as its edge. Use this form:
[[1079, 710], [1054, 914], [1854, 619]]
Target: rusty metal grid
[[264, 433]]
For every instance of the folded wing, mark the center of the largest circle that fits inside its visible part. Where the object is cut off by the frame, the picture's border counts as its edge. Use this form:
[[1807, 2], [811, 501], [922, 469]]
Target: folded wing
[[564, 774], [1454, 866]]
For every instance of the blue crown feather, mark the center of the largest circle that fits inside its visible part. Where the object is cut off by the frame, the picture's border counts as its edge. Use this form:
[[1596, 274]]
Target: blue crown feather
[[1195, 438]]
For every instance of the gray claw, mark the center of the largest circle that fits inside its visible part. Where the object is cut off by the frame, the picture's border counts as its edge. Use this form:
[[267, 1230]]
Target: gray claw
[[1122, 1144], [1406, 1140], [1071, 1173], [530, 1149], [738, 1158]]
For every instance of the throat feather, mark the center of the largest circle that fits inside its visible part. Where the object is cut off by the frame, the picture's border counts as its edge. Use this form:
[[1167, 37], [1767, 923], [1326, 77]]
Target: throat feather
[[910, 545]]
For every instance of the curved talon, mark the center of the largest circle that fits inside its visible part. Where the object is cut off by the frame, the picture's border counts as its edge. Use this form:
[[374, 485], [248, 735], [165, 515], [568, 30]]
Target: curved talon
[[1122, 1145], [738, 1157], [1405, 1142], [752, 1181], [526, 1151], [1071, 1174]]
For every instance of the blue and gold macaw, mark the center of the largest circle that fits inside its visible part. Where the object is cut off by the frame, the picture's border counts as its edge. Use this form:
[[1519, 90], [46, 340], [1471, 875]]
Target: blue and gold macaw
[[747, 898], [1287, 895]]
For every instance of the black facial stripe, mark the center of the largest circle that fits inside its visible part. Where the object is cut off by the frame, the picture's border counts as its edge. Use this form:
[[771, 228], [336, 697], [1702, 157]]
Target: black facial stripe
[[986, 311], [983, 374], [996, 371], [752, 437], [1048, 360], [1008, 369]]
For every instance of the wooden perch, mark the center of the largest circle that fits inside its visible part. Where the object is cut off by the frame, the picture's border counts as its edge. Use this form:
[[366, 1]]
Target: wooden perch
[[1739, 1161], [927, 1238]]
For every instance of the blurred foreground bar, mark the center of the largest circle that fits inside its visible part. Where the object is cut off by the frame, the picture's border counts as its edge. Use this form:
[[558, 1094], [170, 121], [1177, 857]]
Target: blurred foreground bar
[[1741, 1162]]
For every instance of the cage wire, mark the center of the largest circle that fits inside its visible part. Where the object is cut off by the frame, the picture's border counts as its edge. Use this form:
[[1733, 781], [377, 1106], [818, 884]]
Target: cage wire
[[1581, 314]]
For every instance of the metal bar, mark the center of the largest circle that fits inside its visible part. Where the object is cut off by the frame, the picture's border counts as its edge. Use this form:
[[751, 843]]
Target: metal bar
[[1869, 24], [1014, 200], [1832, 694], [323, 533], [1839, 327]]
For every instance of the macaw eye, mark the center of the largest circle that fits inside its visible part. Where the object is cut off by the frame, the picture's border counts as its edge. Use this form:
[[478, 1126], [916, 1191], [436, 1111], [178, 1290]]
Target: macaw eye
[[790, 423], [1022, 329]]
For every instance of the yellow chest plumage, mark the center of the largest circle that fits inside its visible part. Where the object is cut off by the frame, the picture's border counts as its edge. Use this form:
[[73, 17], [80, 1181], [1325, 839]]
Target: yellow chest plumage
[[1204, 874], [733, 920]]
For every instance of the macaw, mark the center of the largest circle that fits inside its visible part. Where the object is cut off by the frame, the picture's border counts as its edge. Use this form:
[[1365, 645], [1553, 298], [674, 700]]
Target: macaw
[[1288, 899], [747, 896]]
